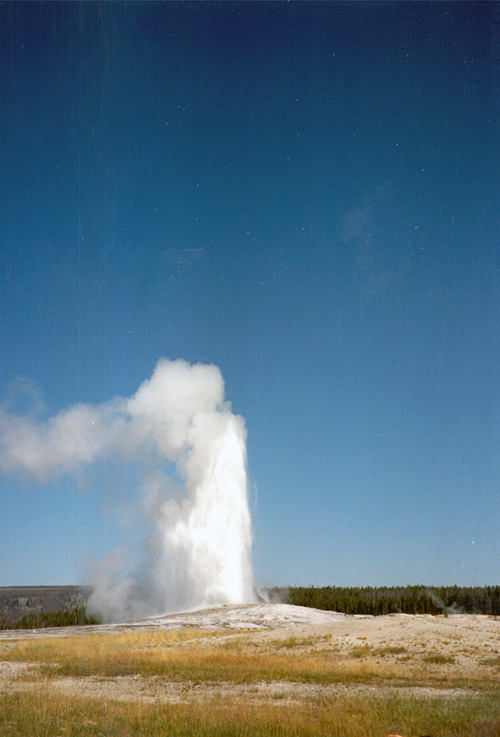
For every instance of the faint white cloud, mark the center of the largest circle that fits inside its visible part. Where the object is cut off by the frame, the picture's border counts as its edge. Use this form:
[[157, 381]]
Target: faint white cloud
[[360, 222], [377, 284], [357, 229], [383, 192], [357, 223], [24, 397], [362, 229], [184, 256]]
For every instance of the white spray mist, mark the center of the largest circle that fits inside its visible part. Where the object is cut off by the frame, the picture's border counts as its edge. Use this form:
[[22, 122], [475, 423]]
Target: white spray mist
[[198, 551]]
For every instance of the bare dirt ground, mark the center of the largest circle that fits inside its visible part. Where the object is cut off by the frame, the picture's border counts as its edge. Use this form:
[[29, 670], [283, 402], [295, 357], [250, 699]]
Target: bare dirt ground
[[423, 655]]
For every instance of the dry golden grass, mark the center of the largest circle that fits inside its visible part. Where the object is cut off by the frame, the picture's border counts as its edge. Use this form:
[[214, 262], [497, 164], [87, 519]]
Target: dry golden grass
[[194, 682], [197, 656], [188, 656], [48, 714]]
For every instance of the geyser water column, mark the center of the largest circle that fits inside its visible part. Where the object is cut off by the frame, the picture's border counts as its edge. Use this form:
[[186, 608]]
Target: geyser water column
[[198, 548], [211, 534], [202, 542]]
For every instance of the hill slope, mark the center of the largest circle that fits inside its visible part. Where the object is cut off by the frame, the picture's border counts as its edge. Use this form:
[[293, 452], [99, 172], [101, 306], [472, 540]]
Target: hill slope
[[19, 601]]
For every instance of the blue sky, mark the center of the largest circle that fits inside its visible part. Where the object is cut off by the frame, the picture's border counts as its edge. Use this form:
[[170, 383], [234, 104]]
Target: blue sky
[[304, 194]]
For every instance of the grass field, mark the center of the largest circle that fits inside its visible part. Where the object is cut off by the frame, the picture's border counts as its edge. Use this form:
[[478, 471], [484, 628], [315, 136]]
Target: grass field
[[310, 681]]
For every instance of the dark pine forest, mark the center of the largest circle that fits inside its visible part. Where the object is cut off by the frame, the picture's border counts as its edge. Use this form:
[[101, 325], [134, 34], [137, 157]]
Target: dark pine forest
[[394, 599]]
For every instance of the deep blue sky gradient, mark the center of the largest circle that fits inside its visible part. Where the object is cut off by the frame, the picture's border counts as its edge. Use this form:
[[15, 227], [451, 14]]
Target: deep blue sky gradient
[[305, 194]]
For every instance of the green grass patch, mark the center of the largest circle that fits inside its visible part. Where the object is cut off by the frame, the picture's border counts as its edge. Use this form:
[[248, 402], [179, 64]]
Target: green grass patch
[[391, 650], [293, 642], [362, 651], [439, 659]]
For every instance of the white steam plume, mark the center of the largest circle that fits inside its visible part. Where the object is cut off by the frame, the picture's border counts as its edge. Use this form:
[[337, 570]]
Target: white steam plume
[[199, 546]]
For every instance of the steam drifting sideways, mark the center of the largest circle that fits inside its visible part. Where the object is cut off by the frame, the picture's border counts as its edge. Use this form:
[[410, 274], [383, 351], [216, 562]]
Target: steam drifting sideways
[[198, 549]]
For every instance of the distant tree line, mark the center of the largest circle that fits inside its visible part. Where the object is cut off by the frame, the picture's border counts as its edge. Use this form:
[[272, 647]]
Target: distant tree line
[[394, 599], [62, 618]]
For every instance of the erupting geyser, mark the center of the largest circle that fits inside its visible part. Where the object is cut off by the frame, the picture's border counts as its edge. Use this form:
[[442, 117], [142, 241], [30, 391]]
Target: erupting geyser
[[198, 550]]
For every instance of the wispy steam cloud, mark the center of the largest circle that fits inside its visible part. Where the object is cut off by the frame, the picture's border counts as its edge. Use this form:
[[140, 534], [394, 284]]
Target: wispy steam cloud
[[198, 550]]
